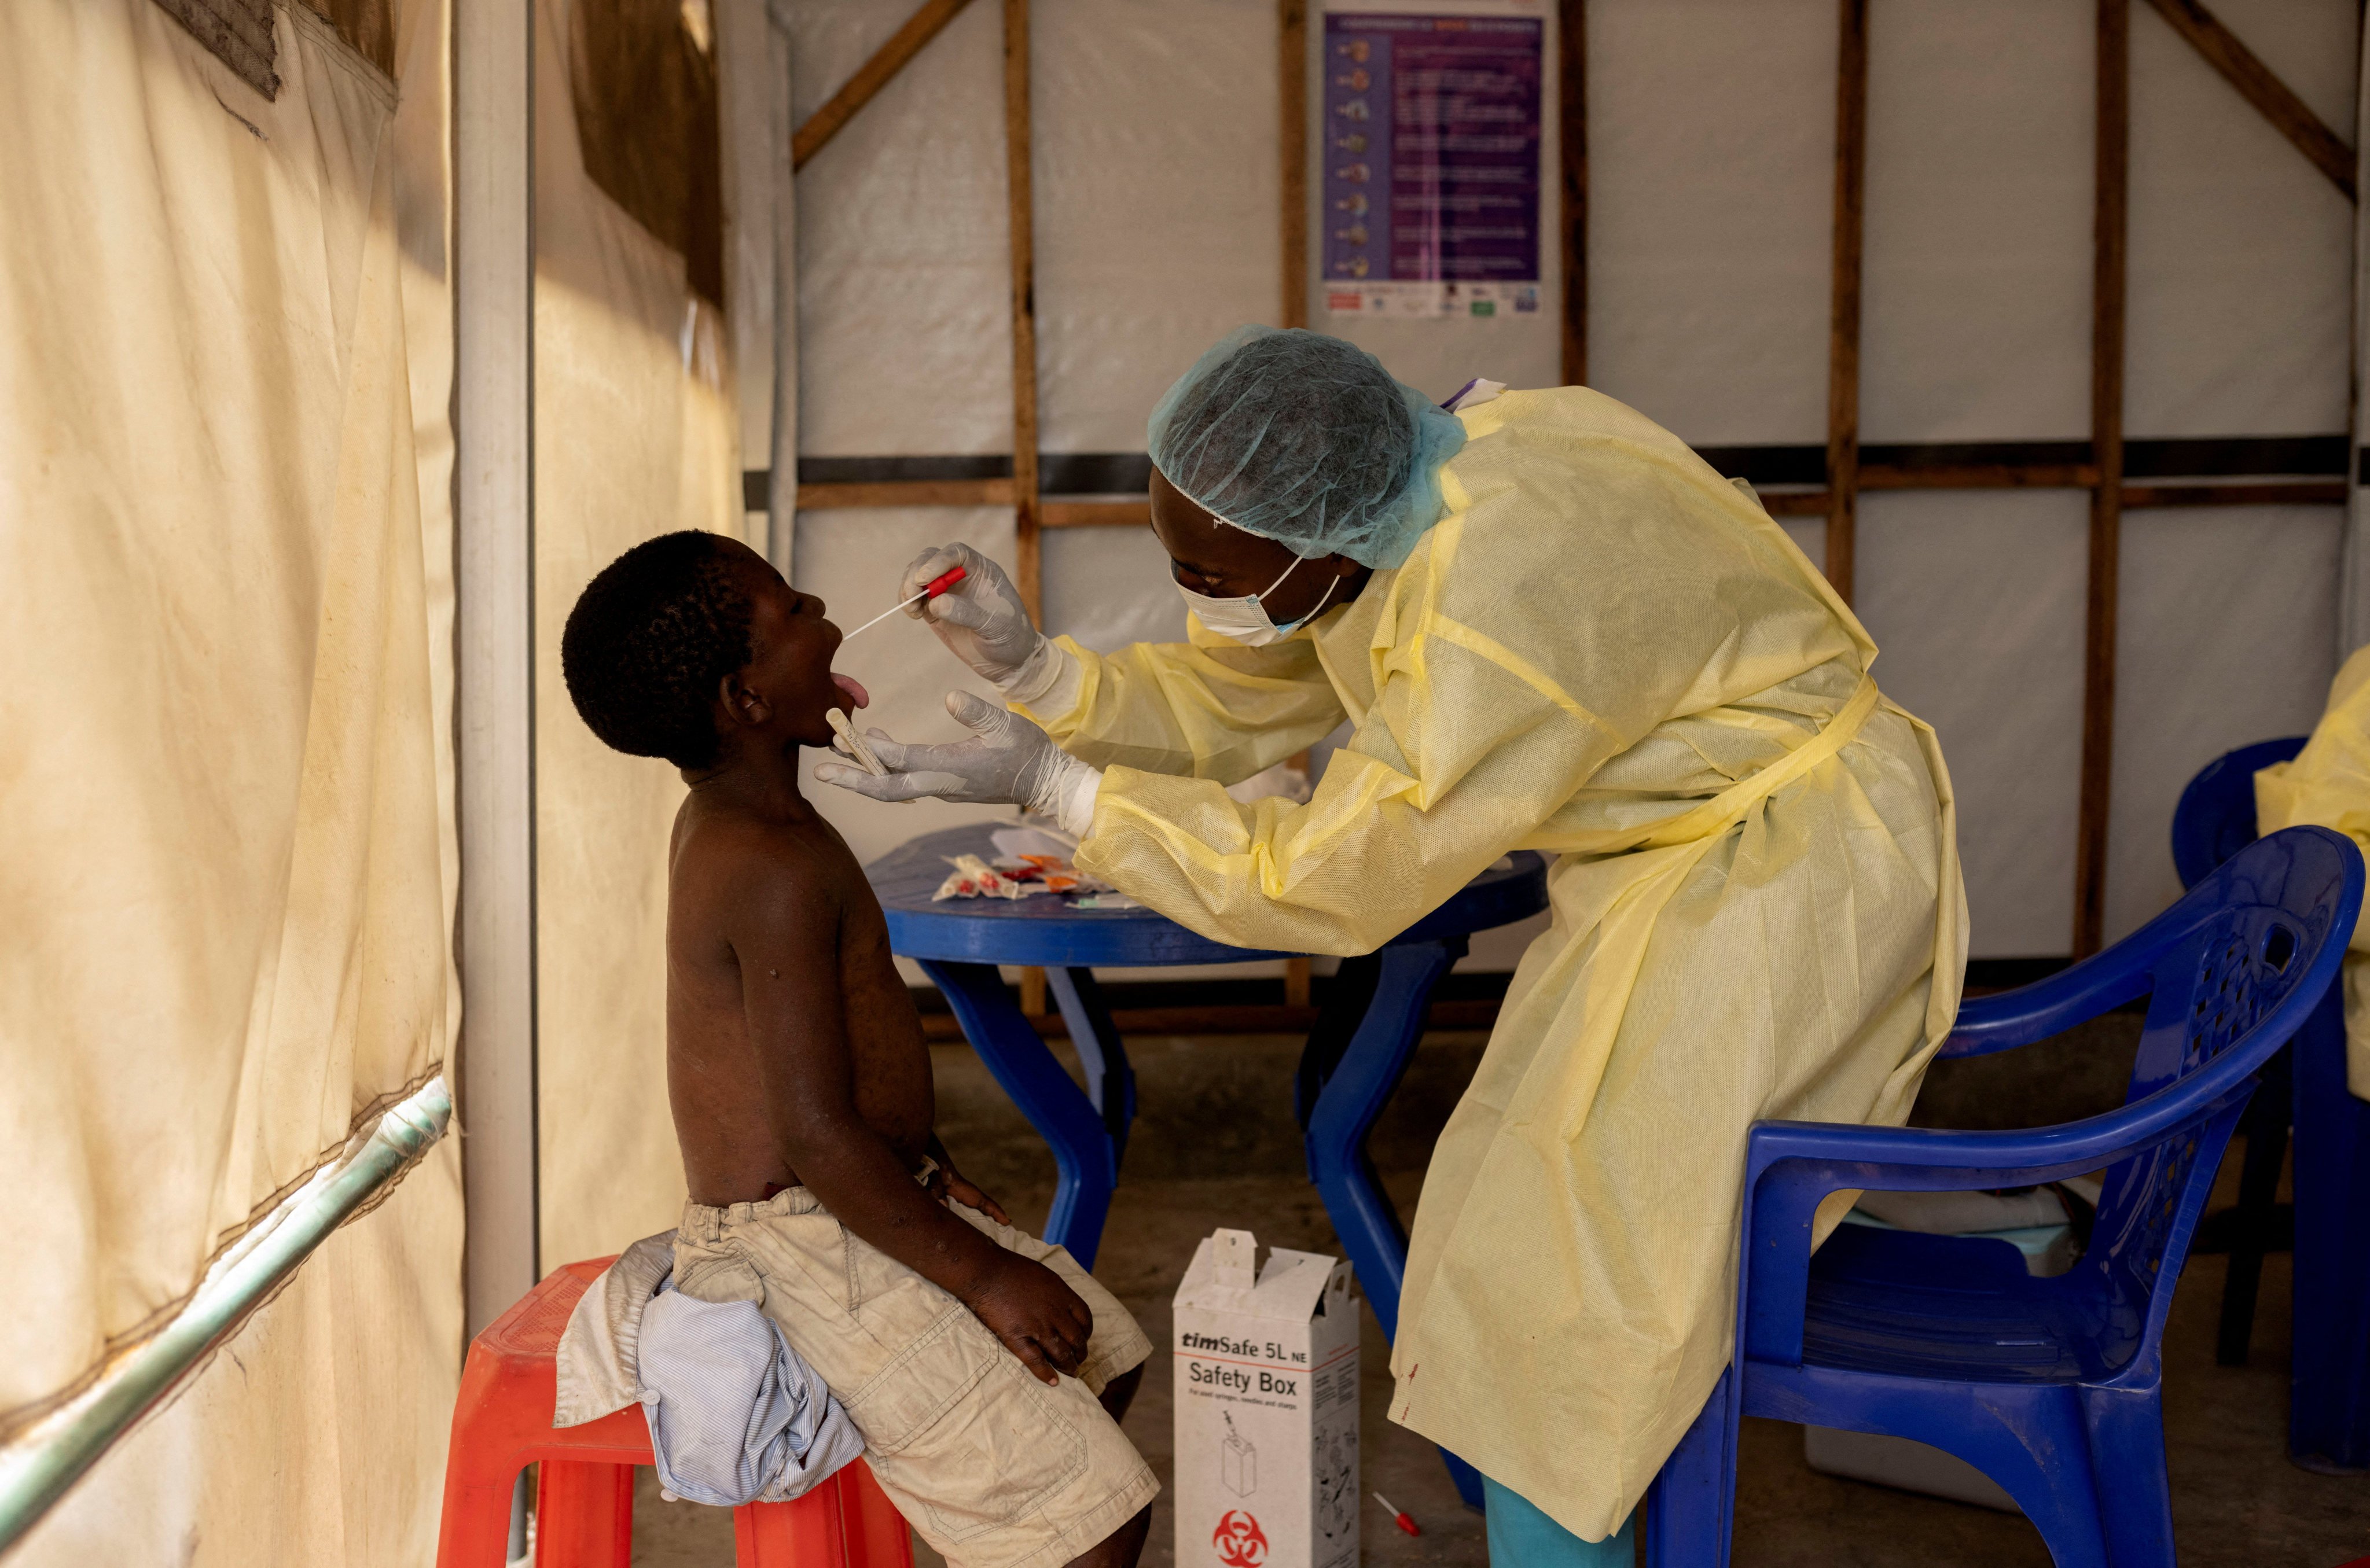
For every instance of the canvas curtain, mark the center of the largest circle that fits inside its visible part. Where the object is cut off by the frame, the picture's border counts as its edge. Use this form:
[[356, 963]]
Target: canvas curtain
[[225, 357]]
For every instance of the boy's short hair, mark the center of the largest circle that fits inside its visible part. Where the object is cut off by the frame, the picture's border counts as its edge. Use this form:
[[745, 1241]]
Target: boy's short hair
[[647, 642]]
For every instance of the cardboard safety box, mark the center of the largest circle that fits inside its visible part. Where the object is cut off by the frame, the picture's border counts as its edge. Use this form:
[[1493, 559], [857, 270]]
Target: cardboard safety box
[[1267, 1409]]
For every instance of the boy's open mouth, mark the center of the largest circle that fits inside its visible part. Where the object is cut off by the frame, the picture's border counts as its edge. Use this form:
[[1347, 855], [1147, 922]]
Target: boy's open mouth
[[853, 689]]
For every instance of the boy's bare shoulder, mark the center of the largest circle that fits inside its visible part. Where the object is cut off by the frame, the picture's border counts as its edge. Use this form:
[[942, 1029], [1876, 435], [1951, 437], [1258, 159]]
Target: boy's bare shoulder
[[731, 859]]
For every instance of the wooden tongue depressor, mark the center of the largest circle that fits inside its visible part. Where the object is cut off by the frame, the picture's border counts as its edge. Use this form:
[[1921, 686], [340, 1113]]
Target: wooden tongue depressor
[[854, 744]]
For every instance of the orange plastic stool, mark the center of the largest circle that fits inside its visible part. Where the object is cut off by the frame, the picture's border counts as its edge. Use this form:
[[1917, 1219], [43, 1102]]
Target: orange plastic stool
[[585, 1505]]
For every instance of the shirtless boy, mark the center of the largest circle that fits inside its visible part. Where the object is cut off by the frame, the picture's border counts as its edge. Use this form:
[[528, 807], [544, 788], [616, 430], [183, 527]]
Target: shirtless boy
[[986, 1369]]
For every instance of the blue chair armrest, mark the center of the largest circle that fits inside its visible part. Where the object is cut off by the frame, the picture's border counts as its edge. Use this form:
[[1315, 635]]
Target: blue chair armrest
[[2074, 995]]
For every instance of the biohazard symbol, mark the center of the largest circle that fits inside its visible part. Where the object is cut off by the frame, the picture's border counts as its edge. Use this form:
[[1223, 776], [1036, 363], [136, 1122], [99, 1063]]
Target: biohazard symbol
[[1239, 1541]]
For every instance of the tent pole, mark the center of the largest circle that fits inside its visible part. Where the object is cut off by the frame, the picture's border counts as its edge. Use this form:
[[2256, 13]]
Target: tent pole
[[1021, 216], [42, 1465], [752, 77], [1292, 169], [871, 76], [1571, 65], [1842, 318], [782, 433], [2107, 495], [2352, 602], [494, 573]]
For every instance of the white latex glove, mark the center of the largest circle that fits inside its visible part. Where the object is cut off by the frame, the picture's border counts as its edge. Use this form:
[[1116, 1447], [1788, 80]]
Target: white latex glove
[[1010, 761], [982, 622]]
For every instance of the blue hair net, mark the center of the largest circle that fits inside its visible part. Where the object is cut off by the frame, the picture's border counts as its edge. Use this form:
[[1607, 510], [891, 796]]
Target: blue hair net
[[1308, 440]]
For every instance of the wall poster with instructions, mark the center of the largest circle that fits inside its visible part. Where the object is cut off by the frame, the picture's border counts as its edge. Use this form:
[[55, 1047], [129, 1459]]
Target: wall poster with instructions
[[1430, 138]]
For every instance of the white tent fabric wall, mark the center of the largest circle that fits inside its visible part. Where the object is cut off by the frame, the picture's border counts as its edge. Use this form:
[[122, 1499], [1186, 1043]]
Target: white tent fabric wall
[[1710, 128], [904, 314], [1711, 166], [904, 346], [636, 435], [224, 356], [2241, 283], [1977, 327]]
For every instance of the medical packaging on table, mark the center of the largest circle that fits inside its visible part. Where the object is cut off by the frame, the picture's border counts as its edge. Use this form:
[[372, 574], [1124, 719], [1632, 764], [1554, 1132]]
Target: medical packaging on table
[[1267, 1409]]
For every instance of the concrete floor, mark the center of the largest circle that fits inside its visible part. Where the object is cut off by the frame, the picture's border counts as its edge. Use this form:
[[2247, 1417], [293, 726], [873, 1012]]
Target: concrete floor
[[1215, 1145]]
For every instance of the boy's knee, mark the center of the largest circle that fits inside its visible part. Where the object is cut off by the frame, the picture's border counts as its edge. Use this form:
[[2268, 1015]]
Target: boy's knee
[[1120, 1392], [1121, 1547]]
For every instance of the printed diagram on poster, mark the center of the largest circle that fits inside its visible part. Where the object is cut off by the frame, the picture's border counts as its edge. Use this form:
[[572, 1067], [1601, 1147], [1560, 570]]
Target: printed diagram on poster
[[1430, 144]]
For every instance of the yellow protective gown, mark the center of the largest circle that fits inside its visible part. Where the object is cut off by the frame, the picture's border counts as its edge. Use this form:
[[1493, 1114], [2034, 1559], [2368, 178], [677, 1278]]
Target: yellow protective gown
[[1606, 652], [2328, 786]]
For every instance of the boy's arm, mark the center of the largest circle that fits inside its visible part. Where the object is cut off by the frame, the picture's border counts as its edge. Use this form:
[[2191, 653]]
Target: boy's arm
[[786, 938]]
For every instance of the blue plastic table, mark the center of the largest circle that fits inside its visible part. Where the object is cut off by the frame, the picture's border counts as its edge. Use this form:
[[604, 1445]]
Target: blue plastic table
[[1355, 1059]]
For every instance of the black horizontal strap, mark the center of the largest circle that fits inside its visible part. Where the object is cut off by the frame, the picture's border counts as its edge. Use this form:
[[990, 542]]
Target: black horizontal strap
[[2180, 457], [1770, 464], [1130, 473], [2220, 456], [1094, 473], [900, 470]]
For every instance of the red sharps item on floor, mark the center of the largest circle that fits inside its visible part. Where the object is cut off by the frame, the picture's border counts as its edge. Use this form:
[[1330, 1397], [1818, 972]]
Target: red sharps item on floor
[[1404, 1521]]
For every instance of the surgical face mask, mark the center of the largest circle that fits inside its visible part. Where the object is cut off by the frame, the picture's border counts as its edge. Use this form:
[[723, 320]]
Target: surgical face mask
[[1246, 620]]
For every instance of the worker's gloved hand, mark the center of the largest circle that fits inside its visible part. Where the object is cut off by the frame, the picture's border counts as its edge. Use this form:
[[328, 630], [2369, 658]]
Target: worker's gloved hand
[[982, 620], [1009, 762]]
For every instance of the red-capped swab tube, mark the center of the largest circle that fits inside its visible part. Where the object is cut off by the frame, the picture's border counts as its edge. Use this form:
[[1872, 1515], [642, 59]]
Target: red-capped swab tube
[[931, 590], [1404, 1521]]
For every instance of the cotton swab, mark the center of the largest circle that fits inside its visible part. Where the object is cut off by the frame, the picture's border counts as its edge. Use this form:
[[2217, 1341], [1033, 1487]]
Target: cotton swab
[[937, 586], [1404, 1521]]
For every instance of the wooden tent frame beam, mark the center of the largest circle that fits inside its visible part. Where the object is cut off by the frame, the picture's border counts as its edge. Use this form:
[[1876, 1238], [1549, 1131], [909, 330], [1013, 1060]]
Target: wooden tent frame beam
[[2109, 226], [2272, 99], [1292, 212], [1572, 129], [1022, 217], [1843, 479], [875, 73]]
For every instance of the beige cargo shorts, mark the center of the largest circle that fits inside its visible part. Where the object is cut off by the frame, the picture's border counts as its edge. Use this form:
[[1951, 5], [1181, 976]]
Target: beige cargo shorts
[[994, 1468]]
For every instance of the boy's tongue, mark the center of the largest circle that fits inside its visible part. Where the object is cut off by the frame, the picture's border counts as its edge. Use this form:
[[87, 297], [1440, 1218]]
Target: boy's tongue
[[853, 689]]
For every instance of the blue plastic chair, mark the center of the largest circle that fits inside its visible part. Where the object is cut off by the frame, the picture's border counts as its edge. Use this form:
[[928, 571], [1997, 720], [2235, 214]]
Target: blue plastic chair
[[2051, 1387], [2329, 1379], [2215, 820]]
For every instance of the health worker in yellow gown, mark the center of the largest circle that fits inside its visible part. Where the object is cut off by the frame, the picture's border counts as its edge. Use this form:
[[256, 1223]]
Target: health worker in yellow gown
[[2328, 783], [1551, 627]]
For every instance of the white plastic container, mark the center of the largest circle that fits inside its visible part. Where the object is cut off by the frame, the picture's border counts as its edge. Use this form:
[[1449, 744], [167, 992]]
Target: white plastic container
[[1267, 1409]]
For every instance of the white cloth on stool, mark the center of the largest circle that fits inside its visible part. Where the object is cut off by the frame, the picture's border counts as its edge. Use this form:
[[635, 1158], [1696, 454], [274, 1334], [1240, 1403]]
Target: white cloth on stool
[[735, 1415]]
